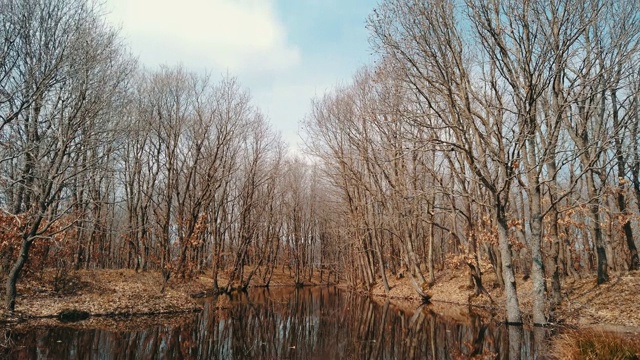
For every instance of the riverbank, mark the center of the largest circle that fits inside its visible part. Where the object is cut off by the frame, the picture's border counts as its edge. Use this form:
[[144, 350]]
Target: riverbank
[[608, 307], [102, 294], [109, 295], [123, 293]]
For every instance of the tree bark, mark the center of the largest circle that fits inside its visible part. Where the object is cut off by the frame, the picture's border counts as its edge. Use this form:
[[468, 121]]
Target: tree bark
[[514, 316], [594, 207], [14, 274]]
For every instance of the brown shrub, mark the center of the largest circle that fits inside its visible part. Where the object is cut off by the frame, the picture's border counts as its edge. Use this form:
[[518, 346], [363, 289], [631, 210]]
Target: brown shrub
[[578, 345]]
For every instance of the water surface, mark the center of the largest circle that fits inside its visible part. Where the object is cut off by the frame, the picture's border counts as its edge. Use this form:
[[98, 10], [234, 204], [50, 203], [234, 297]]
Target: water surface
[[285, 323]]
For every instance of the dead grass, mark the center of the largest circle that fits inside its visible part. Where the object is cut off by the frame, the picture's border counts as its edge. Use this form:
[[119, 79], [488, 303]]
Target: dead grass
[[596, 345]]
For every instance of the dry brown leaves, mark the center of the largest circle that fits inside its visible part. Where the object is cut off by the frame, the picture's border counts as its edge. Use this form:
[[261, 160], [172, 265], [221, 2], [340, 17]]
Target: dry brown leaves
[[612, 304], [105, 292]]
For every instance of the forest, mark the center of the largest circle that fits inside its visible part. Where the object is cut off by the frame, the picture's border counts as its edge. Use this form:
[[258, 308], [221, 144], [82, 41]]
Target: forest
[[501, 135]]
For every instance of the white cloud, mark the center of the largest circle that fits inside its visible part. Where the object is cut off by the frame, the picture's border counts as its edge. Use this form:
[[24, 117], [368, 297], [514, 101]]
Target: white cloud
[[286, 103], [242, 36]]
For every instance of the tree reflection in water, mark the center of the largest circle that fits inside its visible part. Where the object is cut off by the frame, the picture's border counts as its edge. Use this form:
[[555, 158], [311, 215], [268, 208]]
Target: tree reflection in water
[[283, 323]]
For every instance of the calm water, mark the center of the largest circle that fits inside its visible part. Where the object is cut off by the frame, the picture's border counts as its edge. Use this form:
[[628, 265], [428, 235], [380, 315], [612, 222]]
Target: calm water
[[311, 323]]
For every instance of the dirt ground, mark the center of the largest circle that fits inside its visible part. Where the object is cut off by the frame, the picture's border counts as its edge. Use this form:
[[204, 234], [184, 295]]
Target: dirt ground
[[116, 293]]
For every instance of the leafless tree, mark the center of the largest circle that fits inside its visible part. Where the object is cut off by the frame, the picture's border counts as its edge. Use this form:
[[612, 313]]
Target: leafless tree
[[61, 90]]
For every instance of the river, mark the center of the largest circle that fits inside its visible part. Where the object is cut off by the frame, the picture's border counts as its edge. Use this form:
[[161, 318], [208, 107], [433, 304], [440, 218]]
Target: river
[[285, 323]]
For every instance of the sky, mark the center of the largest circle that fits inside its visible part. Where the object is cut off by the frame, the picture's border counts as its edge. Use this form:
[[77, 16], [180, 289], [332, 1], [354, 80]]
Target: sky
[[285, 52]]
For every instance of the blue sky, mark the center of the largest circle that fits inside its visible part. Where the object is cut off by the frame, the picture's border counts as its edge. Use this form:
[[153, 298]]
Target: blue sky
[[284, 51]]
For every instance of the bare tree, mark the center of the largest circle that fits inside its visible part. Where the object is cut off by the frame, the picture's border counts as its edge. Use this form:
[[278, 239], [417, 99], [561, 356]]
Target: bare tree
[[62, 88], [433, 58]]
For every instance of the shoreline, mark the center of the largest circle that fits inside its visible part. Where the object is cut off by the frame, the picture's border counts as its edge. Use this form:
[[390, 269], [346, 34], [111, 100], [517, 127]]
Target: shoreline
[[125, 294]]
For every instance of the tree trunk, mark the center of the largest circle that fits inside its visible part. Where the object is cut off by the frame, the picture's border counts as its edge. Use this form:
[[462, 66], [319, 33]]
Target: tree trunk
[[412, 261], [634, 260], [556, 261], [537, 272], [14, 274], [513, 308], [496, 262], [537, 265], [594, 206], [432, 277], [383, 274]]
